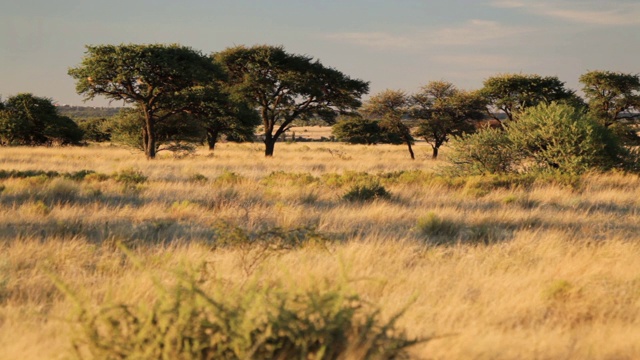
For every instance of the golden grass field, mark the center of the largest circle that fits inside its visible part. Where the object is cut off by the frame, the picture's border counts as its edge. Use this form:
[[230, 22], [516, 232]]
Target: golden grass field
[[548, 271]]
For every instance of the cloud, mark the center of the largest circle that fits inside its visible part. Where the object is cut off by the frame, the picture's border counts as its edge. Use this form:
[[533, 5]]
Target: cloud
[[609, 13], [476, 32], [473, 32]]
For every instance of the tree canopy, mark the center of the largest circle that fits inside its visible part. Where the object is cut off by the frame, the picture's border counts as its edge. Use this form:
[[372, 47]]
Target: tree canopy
[[159, 79], [443, 111], [512, 93], [26, 119], [391, 106], [612, 96], [362, 130], [285, 87]]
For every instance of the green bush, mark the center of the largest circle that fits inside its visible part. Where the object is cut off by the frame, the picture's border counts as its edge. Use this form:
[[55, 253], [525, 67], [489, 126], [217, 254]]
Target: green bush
[[228, 178], [488, 151], [561, 138], [129, 177], [229, 322], [366, 191], [553, 138]]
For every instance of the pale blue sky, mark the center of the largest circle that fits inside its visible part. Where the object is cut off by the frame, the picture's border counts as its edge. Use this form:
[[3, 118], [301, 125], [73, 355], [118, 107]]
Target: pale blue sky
[[397, 44]]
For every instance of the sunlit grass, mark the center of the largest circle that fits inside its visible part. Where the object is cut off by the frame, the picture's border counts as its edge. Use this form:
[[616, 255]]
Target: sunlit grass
[[520, 270]]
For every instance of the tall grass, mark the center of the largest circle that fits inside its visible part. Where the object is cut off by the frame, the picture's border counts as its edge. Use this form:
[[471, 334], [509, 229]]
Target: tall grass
[[509, 268]]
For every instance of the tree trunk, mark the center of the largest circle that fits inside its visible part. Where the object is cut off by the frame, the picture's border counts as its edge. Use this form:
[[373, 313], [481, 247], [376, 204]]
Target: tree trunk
[[435, 152], [270, 144], [410, 150], [212, 138], [150, 143]]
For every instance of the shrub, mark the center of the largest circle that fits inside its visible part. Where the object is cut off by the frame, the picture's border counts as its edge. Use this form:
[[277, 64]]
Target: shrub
[[488, 151], [129, 177], [252, 322], [433, 225], [560, 138], [228, 178], [554, 138], [366, 191], [290, 179]]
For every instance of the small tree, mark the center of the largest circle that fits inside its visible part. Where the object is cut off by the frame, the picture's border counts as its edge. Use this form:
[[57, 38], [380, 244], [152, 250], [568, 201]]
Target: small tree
[[512, 93], [287, 87], [614, 99], [176, 133], [357, 130], [31, 120], [362, 130], [443, 111], [612, 96], [391, 106], [156, 78]]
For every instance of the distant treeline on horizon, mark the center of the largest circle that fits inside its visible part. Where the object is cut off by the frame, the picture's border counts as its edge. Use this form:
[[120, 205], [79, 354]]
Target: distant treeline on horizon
[[83, 112]]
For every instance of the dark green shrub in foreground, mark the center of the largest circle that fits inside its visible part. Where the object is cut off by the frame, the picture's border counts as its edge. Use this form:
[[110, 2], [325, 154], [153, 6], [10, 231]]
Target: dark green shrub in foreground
[[253, 322]]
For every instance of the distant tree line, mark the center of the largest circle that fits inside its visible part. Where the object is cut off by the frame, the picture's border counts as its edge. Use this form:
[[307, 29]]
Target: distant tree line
[[440, 111], [177, 97]]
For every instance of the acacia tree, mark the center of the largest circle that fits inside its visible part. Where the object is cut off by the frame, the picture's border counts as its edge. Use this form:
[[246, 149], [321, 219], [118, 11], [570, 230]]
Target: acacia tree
[[286, 87], [512, 93], [443, 111], [391, 106], [156, 78], [612, 96]]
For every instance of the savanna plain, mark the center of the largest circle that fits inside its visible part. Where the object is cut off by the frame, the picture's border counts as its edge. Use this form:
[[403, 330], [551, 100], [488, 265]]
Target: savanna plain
[[477, 267]]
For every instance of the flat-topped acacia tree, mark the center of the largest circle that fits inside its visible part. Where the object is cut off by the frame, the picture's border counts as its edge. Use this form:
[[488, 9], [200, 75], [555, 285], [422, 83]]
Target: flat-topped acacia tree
[[156, 78], [286, 87], [513, 93]]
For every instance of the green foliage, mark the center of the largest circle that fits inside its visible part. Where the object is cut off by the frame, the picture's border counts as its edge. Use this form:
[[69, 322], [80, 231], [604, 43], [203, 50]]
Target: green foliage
[[289, 179], [129, 177], [96, 129], [177, 133], [286, 87], [161, 80], [512, 93], [357, 130], [391, 107], [228, 178], [488, 151], [562, 138], [186, 321], [612, 96], [443, 111], [547, 138], [22, 174], [26, 119], [366, 191]]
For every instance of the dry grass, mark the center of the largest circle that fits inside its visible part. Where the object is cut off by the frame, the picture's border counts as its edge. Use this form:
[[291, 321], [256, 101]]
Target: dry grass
[[547, 271]]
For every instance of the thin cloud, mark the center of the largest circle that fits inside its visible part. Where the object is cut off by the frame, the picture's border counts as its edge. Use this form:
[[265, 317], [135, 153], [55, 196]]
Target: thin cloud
[[608, 13], [476, 32], [473, 32]]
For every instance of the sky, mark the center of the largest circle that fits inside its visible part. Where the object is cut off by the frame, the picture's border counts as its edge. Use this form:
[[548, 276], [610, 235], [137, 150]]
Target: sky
[[393, 44]]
